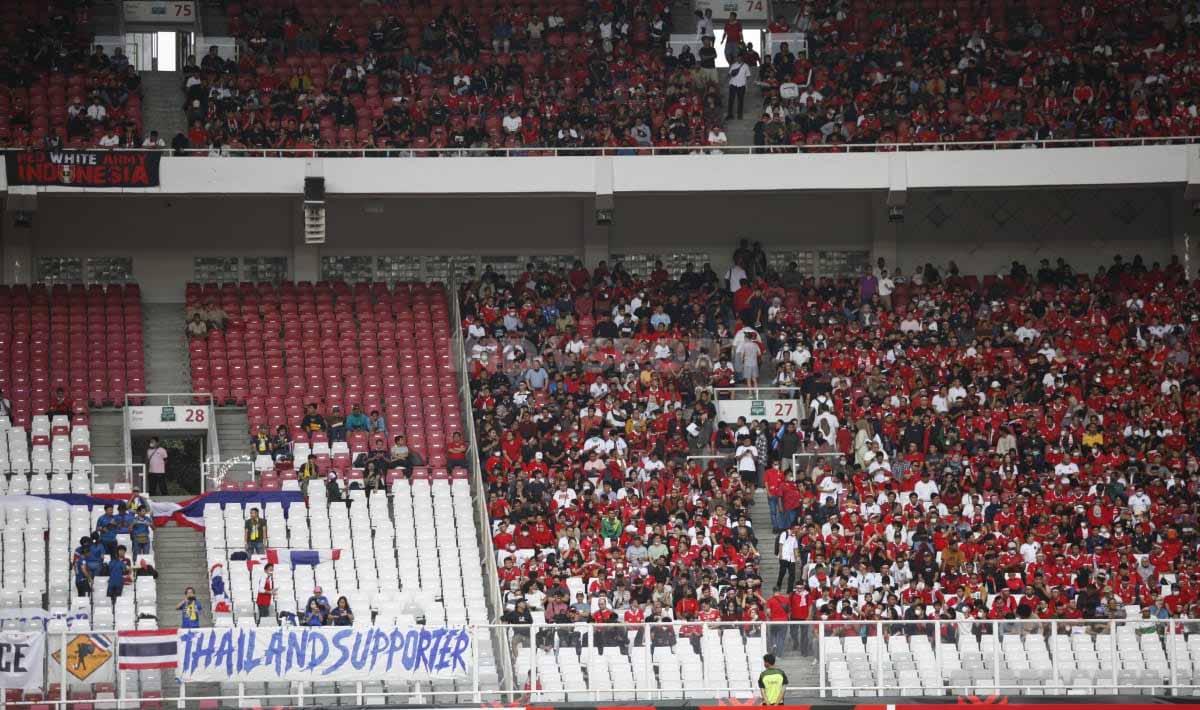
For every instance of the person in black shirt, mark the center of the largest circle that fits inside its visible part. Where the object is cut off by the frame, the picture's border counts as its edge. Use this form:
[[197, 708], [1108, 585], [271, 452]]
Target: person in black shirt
[[708, 60]]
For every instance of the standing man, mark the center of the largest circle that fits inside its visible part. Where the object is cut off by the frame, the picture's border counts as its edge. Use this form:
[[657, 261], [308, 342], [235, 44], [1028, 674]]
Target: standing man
[[189, 610], [789, 542], [265, 593], [772, 681], [256, 534], [156, 466], [738, 74], [732, 39], [708, 60]]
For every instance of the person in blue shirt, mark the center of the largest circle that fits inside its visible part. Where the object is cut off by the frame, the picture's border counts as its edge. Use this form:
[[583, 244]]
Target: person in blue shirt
[[357, 421], [189, 610], [341, 615], [378, 425], [106, 527], [117, 567], [83, 567], [124, 519], [139, 530], [318, 597], [313, 615]]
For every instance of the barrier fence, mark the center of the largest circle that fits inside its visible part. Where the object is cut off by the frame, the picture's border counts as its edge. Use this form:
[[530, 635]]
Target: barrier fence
[[582, 662]]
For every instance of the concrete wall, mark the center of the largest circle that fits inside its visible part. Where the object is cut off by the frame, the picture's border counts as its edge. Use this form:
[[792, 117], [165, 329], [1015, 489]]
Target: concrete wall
[[982, 230]]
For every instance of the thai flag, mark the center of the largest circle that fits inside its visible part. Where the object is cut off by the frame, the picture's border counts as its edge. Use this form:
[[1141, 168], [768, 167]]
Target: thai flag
[[146, 650], [295, 558], [220, 597]]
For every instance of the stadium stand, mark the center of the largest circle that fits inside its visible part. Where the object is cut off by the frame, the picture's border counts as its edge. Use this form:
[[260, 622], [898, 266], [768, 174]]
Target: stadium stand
[[470, 75], [1043, 480], [280, 349], [86, 342], [937, 71], [58, 91], [351, 76]]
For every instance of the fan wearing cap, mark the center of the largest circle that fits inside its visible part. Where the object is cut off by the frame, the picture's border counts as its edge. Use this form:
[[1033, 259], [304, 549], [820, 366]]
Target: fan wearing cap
[[321, 601]]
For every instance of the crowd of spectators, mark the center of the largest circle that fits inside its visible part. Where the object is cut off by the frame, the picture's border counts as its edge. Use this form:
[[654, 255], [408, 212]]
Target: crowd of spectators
[[103, 557], [935, 71], [1023, 446], [506, 75], [58, 91]]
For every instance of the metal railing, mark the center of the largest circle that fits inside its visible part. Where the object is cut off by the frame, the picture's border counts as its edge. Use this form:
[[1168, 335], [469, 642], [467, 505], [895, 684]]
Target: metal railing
[[112, 473], [543, 151], [213, 473], [692, 660], [478, 489]]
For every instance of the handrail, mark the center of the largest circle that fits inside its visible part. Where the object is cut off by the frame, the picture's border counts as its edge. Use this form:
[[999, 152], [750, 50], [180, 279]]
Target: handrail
[[481, 514], [542, 151]]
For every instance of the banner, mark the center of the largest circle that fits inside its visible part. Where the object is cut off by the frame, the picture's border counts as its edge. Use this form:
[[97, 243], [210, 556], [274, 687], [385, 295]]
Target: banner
[[316, 654], [86, 657], [43, 617], [21, 657], [83, 168]]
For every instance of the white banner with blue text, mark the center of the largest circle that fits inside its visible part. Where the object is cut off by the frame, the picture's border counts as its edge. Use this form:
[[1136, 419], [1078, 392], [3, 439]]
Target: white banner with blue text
[[316, 654]]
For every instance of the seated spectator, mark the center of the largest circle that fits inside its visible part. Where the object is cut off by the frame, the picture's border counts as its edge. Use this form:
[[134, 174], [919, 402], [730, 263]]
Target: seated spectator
[[336, 424], [456, 452], [313, 421], [60, 404], [357, 421], [341, 614], [196, 327], [261, 443], [281, 444]]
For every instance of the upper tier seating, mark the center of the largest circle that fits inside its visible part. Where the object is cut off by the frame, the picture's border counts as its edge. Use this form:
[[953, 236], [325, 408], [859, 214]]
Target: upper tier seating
[[53, 78], [932, 71], [85, 340], [314, 74]]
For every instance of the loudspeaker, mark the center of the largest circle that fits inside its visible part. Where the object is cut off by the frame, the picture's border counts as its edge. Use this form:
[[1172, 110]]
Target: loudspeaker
[[314, 189]]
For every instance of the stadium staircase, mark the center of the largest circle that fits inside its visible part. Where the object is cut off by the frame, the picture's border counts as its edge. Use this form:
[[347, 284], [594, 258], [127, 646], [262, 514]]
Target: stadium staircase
[[232, 432], [162, 108], [800, 670], [166, 348], [184, 548], [742, 132], [107, 428]]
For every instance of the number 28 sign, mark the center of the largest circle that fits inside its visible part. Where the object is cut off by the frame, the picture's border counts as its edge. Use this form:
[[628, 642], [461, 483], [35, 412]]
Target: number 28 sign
[[171, 417], [747, 10]]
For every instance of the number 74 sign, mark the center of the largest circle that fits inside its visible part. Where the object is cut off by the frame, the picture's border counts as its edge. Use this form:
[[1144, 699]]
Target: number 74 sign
[[747, 10]]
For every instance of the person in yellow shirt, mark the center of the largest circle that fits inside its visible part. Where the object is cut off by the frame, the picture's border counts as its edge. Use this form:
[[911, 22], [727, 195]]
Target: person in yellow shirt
[[772, 682], [1093, 437]]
